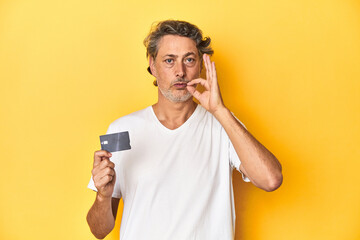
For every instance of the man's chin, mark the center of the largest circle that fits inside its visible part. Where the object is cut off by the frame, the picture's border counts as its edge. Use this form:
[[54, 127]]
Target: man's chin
[[177, 96], [178, 99], [183, 98]]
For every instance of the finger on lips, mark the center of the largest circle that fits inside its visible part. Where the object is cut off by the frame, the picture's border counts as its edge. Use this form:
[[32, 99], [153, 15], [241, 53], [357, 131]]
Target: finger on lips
[[202, 81], [196, 81]]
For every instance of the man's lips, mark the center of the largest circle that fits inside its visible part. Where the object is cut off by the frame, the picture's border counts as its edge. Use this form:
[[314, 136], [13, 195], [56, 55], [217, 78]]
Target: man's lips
[[180, 85]]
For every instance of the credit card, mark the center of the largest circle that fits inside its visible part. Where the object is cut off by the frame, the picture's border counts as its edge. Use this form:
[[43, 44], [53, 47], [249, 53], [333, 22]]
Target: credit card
[[115, 142]]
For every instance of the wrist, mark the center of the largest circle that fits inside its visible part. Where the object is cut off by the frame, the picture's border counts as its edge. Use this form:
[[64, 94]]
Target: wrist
[[220, 112], [102, 199]]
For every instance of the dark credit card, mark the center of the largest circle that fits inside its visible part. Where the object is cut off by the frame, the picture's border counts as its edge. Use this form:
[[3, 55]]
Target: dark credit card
[[115, 142]]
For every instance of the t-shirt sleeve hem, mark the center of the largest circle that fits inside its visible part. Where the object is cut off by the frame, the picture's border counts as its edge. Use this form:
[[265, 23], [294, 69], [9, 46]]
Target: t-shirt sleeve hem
[[116, 196], [244, 177], [92, 187]]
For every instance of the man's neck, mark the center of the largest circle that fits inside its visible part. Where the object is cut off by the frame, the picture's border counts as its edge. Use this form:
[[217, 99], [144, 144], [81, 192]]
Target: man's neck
[[172, 115]]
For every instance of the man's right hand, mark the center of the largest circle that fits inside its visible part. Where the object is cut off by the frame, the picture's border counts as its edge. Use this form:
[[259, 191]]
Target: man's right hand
[[103, 173], [101, 216]]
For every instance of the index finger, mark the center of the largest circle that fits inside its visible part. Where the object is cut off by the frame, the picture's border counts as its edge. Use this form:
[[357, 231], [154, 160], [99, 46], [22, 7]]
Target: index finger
[[203, 82], [98, 155]]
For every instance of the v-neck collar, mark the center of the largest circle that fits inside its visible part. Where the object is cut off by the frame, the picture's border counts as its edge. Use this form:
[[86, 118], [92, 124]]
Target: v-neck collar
[[184, 125]]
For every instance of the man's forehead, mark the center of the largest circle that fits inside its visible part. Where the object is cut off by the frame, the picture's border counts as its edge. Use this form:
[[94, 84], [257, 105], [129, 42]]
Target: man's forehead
[[176, 45]]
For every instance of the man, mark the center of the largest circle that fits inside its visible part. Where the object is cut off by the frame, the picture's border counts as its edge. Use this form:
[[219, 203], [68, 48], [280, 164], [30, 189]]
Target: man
[[176, 181]]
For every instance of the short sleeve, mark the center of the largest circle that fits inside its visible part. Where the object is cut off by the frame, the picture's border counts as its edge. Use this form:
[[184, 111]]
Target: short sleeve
[[235, 161], [116, 193]]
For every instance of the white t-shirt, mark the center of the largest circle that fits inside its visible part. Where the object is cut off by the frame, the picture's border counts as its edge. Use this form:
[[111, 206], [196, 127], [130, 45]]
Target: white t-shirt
[[175, 184]]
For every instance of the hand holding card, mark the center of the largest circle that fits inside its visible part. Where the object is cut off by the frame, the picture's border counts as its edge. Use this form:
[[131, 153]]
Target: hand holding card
[[103, 174]]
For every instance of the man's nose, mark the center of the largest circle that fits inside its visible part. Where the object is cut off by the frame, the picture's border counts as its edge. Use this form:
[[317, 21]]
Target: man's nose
[[180, 70]]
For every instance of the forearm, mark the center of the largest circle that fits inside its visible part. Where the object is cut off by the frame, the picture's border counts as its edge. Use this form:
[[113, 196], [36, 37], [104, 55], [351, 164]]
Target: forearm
[[260, 165], [100, 217]]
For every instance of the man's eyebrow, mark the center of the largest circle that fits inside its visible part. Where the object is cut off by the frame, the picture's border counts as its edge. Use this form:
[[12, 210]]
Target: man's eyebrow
[[170, 55], [189, 53]]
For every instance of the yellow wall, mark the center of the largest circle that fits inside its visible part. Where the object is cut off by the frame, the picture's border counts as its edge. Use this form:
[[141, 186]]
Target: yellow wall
[[289, 70]]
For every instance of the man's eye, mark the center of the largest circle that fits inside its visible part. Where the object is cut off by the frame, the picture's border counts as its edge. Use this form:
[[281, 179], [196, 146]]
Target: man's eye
[[169, 60], [190, 61]]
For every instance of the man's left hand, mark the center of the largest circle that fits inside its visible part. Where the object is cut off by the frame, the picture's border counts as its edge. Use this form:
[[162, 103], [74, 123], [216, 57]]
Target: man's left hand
[[210, 99]]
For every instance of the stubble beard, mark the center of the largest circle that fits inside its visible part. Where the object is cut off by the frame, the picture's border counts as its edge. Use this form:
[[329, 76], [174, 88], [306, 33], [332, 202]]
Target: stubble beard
[[168, 94]]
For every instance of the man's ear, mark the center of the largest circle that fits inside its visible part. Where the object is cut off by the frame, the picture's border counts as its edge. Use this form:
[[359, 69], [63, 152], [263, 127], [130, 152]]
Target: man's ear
[[152, 66]]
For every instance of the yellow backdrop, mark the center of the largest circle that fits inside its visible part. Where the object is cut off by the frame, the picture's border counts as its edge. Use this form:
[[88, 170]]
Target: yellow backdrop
[[289, 70]]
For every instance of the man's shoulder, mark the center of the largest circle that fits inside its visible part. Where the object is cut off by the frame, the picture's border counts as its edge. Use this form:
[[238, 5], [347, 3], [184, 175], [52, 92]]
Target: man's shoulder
[[131, 120]]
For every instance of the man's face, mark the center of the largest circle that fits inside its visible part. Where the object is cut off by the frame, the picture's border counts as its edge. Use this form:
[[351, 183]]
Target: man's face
[[176, 63]]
